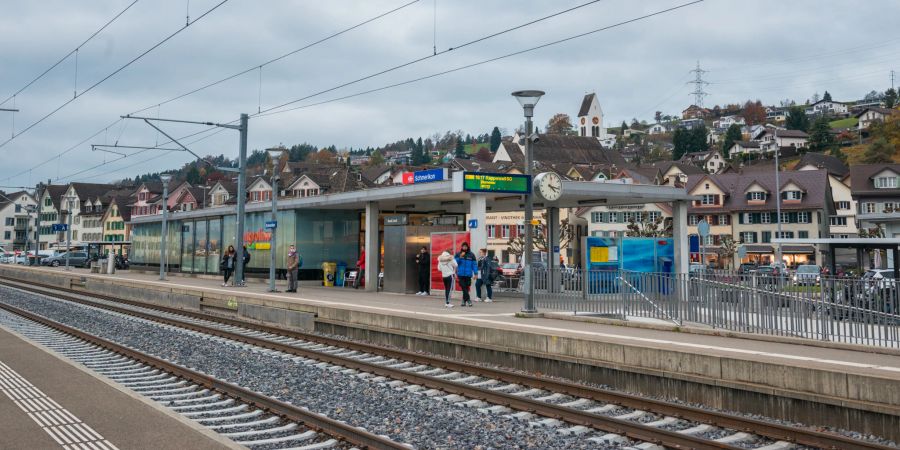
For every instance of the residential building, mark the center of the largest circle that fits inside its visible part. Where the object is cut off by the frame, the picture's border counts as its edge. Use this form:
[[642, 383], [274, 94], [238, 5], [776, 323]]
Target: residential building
[[116, 220], [16, 221], [772, 139], [659, 128], [876, 188], [694, 112], [612, 221], [743, 148], [843, 221], [147, 199], [675, 173], [87, 200], [259, 191], [556, 149], [711, 161], [690, 124], [743, 207], [221, 193], [51, 207], [872, 114], [776, 114], [723, 123], [827, 108]]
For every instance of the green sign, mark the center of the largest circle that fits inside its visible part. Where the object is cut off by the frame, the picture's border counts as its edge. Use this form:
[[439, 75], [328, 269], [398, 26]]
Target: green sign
[[496, 182]]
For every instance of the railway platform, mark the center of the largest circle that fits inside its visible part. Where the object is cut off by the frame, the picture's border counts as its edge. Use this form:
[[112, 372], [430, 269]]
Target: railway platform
[[47, 402], [815, 382]]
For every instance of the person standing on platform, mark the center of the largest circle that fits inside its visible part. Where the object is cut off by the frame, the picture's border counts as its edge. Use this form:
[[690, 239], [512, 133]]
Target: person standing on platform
[[467, 267], [246, 256], [423, 264], [486, 274], [227, 264], [447, 266], [293, 265], [361, 266]]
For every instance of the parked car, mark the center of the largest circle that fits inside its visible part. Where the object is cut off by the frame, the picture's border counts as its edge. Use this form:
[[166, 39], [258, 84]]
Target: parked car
[[511, 270], [77, 259], [807, 274], [770, 277], [747, 268]]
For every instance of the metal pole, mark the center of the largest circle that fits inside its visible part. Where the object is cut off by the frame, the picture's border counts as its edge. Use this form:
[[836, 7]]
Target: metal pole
[[274, 230], [27, 232], [242, 194], [69, 234], [529, 216], [163, 253], [778, 208], [37, 238]]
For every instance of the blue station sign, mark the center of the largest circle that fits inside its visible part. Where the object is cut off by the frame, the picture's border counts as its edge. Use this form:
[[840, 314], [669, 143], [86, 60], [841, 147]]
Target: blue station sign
[[425, 176]]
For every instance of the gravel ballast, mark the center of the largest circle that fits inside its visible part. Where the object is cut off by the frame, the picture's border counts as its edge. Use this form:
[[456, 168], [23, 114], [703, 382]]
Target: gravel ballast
[[406, 417]]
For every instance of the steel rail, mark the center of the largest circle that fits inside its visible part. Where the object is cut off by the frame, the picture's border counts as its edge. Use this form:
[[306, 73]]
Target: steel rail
[[775, 431], [309, 419]]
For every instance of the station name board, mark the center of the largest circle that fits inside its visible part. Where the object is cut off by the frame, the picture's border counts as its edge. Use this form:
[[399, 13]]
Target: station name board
[[425, 176], [496, 182]]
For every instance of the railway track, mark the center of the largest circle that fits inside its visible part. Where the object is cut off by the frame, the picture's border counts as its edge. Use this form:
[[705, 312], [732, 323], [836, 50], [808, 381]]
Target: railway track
[[573, 408], [248, 418]]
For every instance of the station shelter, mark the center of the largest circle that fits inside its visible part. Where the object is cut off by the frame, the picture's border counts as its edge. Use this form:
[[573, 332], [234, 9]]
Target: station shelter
[[396, 220]]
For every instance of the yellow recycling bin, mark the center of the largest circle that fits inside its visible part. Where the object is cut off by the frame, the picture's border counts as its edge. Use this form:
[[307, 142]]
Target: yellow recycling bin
[[328, 269]]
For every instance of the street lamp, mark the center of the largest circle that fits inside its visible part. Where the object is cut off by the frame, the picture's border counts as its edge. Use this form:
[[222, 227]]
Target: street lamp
[[778, 254], [275, 156], [528, 100], [70, 203], [163, 254]]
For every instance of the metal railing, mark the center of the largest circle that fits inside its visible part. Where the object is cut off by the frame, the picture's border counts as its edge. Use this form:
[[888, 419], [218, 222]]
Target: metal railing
[[851, 310]]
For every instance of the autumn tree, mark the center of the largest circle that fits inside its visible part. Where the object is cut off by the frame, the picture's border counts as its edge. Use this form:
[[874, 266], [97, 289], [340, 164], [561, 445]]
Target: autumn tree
[[567, 233], [879, 152], [560, 123], [323, 156], [727, 249], [754, 113], [375, 159], [484, 154], [661, 227]]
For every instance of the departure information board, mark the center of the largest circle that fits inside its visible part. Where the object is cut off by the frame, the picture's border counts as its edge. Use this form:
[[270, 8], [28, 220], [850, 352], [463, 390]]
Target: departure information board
[[496, 182]]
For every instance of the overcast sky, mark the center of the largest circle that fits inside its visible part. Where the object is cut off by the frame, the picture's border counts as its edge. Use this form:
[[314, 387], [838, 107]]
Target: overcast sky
[[764, 49]]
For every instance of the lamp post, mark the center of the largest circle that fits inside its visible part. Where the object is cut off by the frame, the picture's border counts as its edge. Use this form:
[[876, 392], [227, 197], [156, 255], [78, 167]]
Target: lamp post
[[528, 99], [28, 210], [163, 254], [275, 155], [70, 203], [778, 255]]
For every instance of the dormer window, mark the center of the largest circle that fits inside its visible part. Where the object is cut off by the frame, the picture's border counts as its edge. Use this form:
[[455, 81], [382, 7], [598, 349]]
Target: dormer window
[[792, 195], [886, 183], [709, 199], [756, 196]]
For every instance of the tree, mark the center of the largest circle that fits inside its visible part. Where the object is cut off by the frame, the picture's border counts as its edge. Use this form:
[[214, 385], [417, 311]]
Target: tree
[[890, 98], [732, 135], [820, 137], [417, 157], [567, 233], [624, 127], [797, 119], [460, 151], [699, 139], [754, 113], [496, 139], [826, 97], [560, 123], [658, 116], [879, 152], [658, 228], [727, 249], [484, 154], [375, 159], [681, 140], [193, 176]]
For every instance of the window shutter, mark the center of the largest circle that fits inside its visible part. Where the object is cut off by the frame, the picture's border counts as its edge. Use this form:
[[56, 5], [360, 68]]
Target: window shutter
[[756, 218], [715, 199], [741, 219], [792, 217], [754, 237], [783, 195], [748, 195], [766, 236]]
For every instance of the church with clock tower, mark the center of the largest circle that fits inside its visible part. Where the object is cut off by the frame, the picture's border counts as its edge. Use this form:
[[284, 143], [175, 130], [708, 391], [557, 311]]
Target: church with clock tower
[[590, 121]]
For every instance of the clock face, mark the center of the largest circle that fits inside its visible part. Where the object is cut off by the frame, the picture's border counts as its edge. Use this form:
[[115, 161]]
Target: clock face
[[582, 120], [596, 120], [549, 185]]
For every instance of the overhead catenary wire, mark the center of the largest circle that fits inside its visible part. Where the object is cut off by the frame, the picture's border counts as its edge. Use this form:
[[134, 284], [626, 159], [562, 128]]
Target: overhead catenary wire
[[271, 111], [215, 83], [66, 56], [486, 61], [112, 74]]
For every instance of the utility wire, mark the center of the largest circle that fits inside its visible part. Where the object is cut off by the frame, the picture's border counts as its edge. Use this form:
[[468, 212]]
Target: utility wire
[[209, 85], [427, 57], [70, 53], [269, 111], [90, 88]]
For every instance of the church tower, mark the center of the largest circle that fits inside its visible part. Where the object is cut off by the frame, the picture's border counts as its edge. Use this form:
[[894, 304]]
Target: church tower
[[590, 117]]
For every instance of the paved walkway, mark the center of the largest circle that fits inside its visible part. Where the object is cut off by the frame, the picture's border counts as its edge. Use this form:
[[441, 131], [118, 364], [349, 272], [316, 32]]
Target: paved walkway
[[50, 403], [501, 314]]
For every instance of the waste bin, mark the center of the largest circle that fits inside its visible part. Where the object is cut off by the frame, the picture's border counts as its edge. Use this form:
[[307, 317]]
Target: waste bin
[[328, 269], [339, 275]]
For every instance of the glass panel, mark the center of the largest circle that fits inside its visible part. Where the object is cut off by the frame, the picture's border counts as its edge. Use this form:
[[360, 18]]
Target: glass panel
[[213, 253], [187, 247], [201, 249]]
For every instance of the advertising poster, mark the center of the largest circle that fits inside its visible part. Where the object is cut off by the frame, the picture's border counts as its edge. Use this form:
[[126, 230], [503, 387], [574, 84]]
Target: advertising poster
[[440, 242]]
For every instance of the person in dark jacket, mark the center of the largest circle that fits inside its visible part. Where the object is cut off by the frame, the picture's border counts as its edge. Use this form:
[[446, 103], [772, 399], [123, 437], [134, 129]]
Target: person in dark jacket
[[423, 264], [227, 264], [467, 267], [487, 272], [246, 258]]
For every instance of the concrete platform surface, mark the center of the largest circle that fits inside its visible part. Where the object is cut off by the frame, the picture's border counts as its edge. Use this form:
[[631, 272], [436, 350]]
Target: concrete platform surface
[[68, 406]]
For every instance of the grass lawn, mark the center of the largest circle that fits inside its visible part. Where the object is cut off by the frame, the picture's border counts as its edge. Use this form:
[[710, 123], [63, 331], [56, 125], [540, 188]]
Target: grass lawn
[[844, 123], [471, 149]]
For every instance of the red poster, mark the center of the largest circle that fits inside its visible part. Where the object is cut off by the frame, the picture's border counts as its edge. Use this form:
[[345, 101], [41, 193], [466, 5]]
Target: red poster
[[449, 241]]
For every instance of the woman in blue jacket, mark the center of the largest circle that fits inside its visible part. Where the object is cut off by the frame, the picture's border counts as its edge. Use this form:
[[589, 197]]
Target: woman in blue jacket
[[467, 267]]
